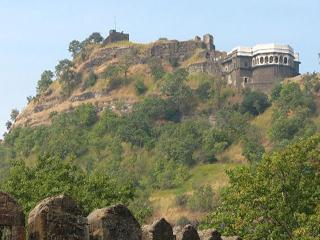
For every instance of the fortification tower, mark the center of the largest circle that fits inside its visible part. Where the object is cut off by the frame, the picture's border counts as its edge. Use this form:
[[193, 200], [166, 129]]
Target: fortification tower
[[261, 66]]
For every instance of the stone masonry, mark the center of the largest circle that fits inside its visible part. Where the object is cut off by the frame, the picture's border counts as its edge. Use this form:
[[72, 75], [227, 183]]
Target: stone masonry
[[12, 223], [57, 218]]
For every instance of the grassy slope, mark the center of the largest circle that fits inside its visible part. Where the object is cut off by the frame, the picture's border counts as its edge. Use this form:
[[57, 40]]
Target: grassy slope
[[164, 201]]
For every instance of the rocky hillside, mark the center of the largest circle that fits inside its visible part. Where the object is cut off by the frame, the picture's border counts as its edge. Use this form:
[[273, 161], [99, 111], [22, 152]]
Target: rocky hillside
[[141, 62]]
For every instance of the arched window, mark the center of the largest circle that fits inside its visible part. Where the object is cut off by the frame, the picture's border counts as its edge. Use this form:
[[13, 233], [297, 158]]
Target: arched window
[[253, 62], [281, 59], [285, 60], [276, 59], [266, 59], [261, 60], [271, 59]]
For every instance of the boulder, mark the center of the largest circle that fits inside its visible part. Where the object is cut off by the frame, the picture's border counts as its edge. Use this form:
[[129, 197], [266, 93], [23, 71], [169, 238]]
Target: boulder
[[57, 218], [159, 230], [187, 233], [210, 234], [113, 223]]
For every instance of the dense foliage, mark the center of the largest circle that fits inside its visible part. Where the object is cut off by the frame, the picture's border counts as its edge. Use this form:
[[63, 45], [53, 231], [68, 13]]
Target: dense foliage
[[277, 199]]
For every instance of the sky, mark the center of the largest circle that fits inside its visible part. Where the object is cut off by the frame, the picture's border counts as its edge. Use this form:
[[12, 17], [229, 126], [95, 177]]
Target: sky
[[35, 34]]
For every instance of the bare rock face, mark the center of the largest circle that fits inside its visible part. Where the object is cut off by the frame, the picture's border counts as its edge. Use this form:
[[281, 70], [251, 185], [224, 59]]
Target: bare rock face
[[113, 223], [57, 218], [159, 230], [188, 233], [11, 218], [210, 234]]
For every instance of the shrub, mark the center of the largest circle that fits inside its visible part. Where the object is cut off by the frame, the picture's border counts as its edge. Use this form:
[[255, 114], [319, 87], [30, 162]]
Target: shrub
[[203, 91], [201, 199], [140, 87], [90, 81], [156, 68], [114, 83]]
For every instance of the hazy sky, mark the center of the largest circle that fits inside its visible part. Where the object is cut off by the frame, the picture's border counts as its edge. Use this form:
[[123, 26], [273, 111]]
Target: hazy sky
[[35, 34]]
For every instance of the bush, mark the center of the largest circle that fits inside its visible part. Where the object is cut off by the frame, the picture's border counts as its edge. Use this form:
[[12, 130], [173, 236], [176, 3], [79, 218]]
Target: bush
[[181, 200], [156, 68], [253, 151], [201, 199], [140, 87], [114, 83], [203, 91], [90, 81]]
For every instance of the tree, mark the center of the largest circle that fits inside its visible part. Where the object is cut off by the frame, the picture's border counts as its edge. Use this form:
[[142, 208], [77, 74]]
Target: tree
[[276, 199], [126, 61], [51, 176], [45, 81], [14, 114], [174, 86], [67, 76], [95, 38], [254, 102], [8, 125], [75, 47]]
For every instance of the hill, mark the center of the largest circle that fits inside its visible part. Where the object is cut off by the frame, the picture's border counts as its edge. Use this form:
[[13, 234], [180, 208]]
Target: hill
[[158, 119]]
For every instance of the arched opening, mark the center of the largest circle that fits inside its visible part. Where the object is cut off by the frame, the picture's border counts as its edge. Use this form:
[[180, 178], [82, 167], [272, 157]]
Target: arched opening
[[271, 59], [245, 80], [253, 62], [276, 59], [285, 60], [261, 60], [266, 59], [280, 59]]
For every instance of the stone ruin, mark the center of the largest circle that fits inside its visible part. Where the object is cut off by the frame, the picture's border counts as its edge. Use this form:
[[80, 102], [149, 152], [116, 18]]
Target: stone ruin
[[57, 218], [12, 222], [60, 218], [115, 222], [159, 230]]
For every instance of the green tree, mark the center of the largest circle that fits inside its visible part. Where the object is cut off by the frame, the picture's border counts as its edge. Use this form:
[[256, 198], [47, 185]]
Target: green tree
[[174, 86], [94, 38], [75, 47], [272, 199], [14, 114], [67, 76], [254, 102], [45, 81]]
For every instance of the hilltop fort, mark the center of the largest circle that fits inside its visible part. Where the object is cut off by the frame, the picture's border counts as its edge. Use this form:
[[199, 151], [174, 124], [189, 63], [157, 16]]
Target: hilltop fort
[[258, 67]]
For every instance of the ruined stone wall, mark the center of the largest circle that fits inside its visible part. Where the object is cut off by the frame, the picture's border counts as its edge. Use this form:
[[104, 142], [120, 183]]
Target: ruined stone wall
[[60, 218], [11, 218]]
